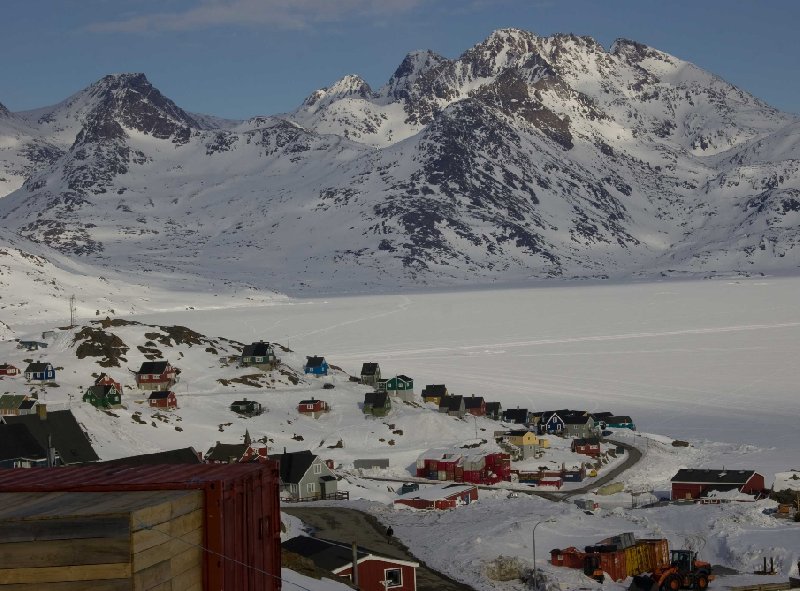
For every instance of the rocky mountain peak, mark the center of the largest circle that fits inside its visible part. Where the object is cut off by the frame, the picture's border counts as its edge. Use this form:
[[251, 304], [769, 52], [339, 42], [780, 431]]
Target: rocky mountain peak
[[635, 52], [413, 66], [3, 111], [131, 101], [503, 48], [350, 86]]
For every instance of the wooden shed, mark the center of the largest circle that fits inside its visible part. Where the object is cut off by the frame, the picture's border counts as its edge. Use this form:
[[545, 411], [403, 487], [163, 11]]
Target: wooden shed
[[109, 540], [240, 530]]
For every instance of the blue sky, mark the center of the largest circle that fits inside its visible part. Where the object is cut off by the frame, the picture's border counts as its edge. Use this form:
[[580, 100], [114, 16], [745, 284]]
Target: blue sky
[[239, 58]]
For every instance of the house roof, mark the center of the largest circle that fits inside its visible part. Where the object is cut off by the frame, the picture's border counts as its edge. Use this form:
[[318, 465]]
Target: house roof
[[436, 493], [160, 395], [335, 556], [312, 401], [586, 441], [576, 419], [711, 476], [11, 401], [38, 367], [7, 366], [601, 416], [376, 399], [244, 403], [451, 403], [434, 391], [153, 367], [314, 361], [101, 377], [17, 443], [473, 401], [100, 391], [260, 349], [516, 413], [493, 407], [294, 465], [616, 419], [519, 432], [28, 404], [66, 435], [403, 377], [369, 369], [186, 455], [223, 452]]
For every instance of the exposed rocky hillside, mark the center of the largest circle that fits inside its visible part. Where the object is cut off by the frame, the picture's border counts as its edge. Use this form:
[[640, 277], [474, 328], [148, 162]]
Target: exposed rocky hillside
[[526, 157]]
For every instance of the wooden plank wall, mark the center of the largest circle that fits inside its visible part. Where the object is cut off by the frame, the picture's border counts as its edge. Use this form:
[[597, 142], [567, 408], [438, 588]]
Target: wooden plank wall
[[166, 545], [112, 542]]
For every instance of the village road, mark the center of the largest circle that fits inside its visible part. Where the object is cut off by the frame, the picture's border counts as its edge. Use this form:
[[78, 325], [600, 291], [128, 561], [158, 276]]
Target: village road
[[348, 525]]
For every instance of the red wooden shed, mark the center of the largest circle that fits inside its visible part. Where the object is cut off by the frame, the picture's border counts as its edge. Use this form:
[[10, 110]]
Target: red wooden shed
[[693, 484], [164, 399], [241, 528], [448, 496]]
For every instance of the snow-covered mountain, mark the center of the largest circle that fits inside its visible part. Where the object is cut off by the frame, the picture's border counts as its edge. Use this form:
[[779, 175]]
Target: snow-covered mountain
[[526, 157]]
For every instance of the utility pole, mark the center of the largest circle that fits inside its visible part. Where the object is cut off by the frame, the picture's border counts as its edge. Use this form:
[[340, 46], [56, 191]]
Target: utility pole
[[72, 310], [535, 577]]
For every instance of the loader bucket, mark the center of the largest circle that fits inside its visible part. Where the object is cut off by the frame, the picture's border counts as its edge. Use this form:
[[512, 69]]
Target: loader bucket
[[643, 583]]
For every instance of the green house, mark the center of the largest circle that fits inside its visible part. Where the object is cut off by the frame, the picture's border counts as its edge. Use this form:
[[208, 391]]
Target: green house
[[103, 396], [396, 385], [260, 354], [377, 404]]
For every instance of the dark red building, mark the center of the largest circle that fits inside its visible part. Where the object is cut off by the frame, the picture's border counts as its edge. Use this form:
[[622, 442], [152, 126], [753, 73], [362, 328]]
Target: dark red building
[[448, 496], [589, 446], [6, 369], [164, 399], [693, 484], [241, 519], [475, 405], [156, 375], [374, 572]]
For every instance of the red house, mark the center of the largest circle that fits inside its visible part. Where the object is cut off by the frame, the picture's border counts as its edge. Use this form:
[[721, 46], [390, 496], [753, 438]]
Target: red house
[[6, 369], [693, 484], [163, 399], [313, 407], [477, 467], [107, 380], [232, 453], [156, 375], [448, 496], [374, 572], [589, 446], [475, 405]]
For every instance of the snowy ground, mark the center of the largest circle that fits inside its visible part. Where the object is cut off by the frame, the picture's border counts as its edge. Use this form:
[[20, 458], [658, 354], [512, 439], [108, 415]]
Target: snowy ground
[[711, 362]]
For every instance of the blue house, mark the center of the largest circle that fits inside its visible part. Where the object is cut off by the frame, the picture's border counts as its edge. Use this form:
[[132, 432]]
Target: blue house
[[316, 366], [554, 424], [40, 372]]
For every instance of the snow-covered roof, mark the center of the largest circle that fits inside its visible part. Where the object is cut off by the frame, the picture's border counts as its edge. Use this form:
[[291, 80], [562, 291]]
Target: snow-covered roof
[[435, 493]]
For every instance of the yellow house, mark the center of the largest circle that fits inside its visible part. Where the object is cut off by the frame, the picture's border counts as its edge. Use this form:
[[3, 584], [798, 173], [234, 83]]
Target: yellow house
[[524, 438], [434, 393]]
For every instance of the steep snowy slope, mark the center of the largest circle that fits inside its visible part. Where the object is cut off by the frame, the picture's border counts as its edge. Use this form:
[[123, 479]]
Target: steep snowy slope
[[525, 157]]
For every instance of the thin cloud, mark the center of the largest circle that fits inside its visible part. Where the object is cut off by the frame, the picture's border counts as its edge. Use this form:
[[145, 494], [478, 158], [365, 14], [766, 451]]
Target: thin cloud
[[283, 14]]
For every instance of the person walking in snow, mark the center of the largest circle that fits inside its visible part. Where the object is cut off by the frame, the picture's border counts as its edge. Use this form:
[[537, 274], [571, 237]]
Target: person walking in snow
[[389, 532]]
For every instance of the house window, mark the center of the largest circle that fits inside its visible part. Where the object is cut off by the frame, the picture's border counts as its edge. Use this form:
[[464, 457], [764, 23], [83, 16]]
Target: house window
[[311, 487], [317, 468], [309, 407], [293, 488], [393, 577]]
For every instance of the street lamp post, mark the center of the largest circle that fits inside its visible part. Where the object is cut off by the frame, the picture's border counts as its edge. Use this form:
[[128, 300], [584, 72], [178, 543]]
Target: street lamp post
[[535, 578]]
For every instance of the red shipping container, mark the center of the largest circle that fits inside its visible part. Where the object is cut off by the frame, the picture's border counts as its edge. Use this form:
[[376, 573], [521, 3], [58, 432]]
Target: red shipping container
[[242, 510]]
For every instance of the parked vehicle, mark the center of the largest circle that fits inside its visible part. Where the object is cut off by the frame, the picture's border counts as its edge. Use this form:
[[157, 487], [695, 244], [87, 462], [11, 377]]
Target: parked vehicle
[[684, 572]]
